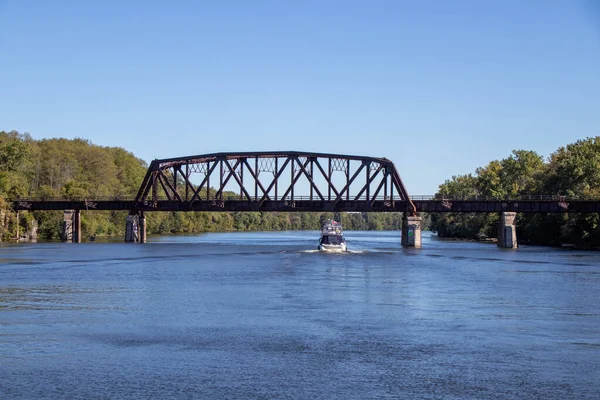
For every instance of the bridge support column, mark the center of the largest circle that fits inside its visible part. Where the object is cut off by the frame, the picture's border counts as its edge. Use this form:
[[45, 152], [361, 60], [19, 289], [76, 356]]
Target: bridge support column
[[132, 224], [71, 228], [142, 219], [507, 233], [411, 231], [135, 228]]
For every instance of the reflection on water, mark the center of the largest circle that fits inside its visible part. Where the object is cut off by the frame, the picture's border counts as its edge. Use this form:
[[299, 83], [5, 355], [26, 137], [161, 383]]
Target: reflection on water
[[266, 315], [49, 297]]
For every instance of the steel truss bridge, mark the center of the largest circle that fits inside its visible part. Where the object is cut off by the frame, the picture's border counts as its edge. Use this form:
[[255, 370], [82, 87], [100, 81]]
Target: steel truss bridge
[[293, 181]]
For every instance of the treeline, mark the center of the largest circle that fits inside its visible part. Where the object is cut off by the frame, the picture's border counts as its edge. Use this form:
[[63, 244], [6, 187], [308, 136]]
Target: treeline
[[191, 222], [62, 168], [78, 169], [573, 170]]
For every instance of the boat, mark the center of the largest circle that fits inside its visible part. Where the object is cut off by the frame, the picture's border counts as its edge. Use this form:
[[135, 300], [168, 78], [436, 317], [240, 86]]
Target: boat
[[332, 237]]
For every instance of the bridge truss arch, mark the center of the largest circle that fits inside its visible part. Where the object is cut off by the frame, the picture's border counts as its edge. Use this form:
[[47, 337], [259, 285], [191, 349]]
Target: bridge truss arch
[[273, 181]]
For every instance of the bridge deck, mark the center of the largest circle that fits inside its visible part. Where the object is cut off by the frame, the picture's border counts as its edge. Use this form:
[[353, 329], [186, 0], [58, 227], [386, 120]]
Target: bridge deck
[[303, 204]]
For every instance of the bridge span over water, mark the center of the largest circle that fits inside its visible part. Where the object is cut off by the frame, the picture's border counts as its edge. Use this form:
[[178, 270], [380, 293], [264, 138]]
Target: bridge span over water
[[290, 181]]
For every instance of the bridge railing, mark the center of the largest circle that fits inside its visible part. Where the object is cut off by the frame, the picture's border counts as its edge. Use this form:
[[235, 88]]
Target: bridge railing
[[55, 198], [352, 198], [523, 197]]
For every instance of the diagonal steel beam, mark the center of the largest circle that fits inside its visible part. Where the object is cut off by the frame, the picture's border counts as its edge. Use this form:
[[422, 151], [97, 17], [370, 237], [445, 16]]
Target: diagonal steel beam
[[238, 179], [168, 183], [188, 184], [347, 187], [154, 188], [159, 177], [145, 186], [224, 181], [297, 176], [256, 180], [302, 169], [327, 178], [402, 191], [369, 181], [206, 178], [274, 181], [157, 174], [384, 180]]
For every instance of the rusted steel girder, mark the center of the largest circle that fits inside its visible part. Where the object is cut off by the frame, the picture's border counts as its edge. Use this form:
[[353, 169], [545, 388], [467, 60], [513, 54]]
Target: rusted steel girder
[[302, 203], [260, 177]]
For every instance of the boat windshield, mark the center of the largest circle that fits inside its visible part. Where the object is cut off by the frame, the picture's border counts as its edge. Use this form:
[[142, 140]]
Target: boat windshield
[[332, 239], [332, 228]]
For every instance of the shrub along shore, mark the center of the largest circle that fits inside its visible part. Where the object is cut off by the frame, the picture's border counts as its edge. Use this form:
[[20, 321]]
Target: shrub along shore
[[572, 170]]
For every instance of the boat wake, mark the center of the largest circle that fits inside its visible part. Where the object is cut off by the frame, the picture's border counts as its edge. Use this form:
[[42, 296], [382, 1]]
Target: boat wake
[[335, 252]]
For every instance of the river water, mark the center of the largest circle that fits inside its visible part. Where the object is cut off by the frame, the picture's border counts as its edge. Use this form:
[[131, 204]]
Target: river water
[[266, 316]]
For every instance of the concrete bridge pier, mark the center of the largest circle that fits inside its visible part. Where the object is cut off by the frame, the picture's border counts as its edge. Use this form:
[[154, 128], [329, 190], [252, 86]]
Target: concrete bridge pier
[[142, 219], [135, 228], [71, 227], [132, 224], [507, 233], [411, 231]]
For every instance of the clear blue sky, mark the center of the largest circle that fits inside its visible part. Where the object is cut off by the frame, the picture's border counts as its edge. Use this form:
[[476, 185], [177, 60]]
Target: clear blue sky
[[439, 87]]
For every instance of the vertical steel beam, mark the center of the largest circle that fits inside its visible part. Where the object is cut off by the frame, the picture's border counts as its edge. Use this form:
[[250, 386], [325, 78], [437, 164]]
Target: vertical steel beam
[[221, 188], [158, 174], [275, 175], [368, 182], [391, 190], [311, 177], [385, 184], [241, 180], [175, 182], [256, 172], [348, 179], [329, 181], [187, 178], [154, 186], [208, 172], [292, 176]]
